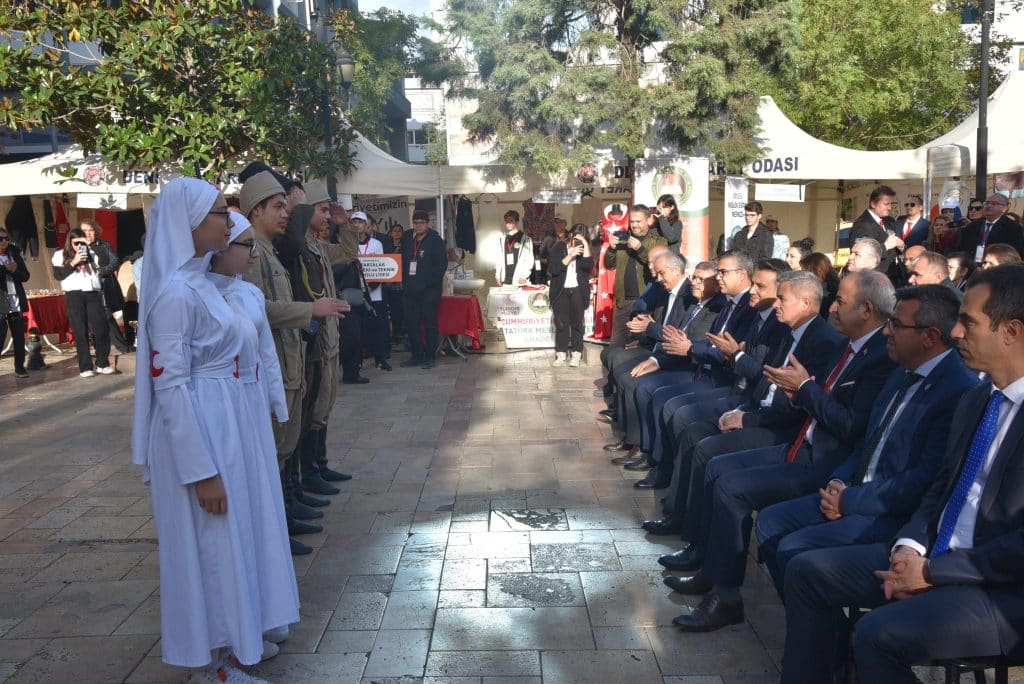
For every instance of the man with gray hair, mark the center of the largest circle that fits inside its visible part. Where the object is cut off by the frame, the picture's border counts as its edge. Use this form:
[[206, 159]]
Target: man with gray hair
[[866, 254], [833, 411]]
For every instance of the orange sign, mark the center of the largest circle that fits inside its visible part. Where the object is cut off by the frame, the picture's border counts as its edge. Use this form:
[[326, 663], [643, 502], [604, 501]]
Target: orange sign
[[382, 268]]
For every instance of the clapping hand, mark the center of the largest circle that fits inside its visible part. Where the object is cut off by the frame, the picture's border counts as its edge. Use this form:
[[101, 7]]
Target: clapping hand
[[726, 344], [639, 323], [675, 341], [788, 378]]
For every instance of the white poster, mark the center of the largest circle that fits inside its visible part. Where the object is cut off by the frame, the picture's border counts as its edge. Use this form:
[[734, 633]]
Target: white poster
[[686, 179], [778, 192], [387, 210], [525, 317], [735, 198]]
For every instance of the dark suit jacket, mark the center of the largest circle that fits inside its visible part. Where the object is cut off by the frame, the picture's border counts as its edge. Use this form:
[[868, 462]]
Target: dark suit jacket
[[817, 350], [842, 414], [431, 263], [866, 226], [918, 234], [749, 367], [996, 560], [702, 354], [1004, 231], [912, 454], [760, 246], [696, 330]]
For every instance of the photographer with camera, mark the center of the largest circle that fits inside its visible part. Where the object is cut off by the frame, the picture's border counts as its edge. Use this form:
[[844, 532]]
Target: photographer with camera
[[77, 268], [569, 265], [627, 255]]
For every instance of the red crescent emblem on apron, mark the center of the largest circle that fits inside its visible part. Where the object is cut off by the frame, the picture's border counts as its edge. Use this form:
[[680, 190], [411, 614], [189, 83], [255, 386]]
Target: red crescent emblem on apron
[[153, 370], [236, 373]]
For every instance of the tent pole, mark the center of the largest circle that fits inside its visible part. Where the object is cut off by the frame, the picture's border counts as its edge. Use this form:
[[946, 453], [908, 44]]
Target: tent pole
[[981, 163], [440, 216]]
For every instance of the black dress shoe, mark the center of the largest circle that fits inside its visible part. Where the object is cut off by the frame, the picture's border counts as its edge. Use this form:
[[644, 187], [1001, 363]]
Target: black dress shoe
[[642, 463], [317, 485], [665, 526], [691, 586], [355, 380], [710, 615], [630, 457], [301, 511], [631, 463], [652, 481], [333, 475], [618, 446], [607, 412], [686, 560], [297, 527], [428, 364], [606, 420], [384, 365], [300, 549], [411, 363], [311, 501]]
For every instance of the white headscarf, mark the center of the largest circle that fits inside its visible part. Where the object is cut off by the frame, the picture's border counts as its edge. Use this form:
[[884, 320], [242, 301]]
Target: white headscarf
[[178, 210], [241, 225]]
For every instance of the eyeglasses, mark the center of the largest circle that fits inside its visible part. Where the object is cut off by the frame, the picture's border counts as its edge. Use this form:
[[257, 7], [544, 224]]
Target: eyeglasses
[[974, 207], [723, 271], [225, 214], [4, 238], [895, 325], [79, 243], [910, 204], [251, 246], [996, 204]]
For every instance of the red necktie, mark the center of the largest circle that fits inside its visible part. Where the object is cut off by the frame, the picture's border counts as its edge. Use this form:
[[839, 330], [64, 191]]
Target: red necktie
[[799, 441], [906, 228]]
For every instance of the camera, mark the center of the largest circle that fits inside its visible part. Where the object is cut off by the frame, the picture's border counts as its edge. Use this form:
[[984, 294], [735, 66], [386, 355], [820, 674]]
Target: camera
[[621, 235]]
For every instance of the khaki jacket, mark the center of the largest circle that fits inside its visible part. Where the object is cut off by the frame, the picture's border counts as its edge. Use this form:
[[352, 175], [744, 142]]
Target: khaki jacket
[[286, 317]]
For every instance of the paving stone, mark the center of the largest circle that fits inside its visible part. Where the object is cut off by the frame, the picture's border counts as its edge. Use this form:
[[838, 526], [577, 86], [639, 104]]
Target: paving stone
[[84, 659], [534, 589], [90, 567], [347, 641], [410, 610], [574, 557], [511, 629], [630, 598], [464, 573], [398, 653], [579, 667], [483, 663], [296, 668], [728, 651], [461, 599], [85, 609], [359, 611]]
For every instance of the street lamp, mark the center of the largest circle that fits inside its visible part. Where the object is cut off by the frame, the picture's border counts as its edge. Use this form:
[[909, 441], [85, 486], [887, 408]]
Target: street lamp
[[981, 144], [344, 69]]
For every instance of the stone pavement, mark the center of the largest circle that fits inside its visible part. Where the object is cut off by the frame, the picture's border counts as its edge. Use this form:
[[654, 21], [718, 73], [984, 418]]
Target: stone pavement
[[485, 539]]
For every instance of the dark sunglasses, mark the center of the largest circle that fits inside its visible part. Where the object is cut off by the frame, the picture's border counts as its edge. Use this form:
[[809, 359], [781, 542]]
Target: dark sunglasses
[[974, 207], [910, 204], [4, 238]]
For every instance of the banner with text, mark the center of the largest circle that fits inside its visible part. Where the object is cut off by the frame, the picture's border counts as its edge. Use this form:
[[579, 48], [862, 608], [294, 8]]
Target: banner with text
[[381, 268], [387, 210], [735, 197], [686, 179], [526, 319]]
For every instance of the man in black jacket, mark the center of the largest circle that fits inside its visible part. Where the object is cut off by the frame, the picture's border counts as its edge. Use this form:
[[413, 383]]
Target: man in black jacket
[[424, 261], [877, 223], [994, 227]]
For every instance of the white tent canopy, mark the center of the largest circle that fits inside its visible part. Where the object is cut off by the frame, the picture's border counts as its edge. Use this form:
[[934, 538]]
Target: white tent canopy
[[954, 154]]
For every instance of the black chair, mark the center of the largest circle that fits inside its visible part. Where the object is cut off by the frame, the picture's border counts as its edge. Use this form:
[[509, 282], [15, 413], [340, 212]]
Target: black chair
[[955, 667]]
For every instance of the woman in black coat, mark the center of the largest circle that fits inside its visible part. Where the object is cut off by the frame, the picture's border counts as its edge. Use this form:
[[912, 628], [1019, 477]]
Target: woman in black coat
[[113, 298], [13, 304], [569, 265], [759, 244]]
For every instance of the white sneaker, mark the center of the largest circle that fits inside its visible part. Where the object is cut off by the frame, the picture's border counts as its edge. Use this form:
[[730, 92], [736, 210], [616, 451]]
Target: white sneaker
[[559, 359], [270, 650], [277, 635], [574, 362], [86, 374], [106, 370]]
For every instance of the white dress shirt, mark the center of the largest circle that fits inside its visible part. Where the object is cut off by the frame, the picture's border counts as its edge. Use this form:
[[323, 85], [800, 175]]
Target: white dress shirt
[[668, 307], [79, 280], [963, 533]]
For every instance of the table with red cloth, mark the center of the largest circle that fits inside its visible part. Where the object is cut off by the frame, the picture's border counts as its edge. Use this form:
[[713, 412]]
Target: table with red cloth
[[460, 315], [50, 314]]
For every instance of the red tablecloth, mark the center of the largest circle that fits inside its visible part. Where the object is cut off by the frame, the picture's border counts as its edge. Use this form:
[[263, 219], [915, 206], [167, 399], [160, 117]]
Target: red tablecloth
[[461, 315], [50, 315]]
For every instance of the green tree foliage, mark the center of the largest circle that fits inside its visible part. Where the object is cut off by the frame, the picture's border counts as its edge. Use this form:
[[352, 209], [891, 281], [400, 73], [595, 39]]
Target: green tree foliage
[[192, 83], [878, 78], [557, 80]]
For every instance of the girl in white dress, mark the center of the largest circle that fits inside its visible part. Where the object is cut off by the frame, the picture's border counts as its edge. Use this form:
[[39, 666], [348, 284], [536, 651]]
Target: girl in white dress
[[202, 435]]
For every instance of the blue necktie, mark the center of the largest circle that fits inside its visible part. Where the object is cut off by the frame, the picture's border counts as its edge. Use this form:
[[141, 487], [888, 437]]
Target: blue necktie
[[980, 444], [723, 318]]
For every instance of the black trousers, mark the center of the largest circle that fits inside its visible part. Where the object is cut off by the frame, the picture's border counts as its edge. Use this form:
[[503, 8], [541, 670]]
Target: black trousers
[[16, 322], [421, 310], [87, 316], [306, 450], [568, 310], [396, 310], [376, 339]]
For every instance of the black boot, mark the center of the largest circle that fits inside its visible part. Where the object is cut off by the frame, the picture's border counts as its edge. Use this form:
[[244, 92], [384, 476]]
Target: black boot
[[297, 548], [312, 501], [297, 509], [321, 460], [311, 480]]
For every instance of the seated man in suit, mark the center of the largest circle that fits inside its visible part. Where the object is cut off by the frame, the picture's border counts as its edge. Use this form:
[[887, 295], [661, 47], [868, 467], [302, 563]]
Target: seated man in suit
[[765, 418], [880, 484], [692, 323], [951, 585], [745, 358], [930, 268]]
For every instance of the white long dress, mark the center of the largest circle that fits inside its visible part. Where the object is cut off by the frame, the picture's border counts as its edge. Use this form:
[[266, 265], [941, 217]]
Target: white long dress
[[224, 579]]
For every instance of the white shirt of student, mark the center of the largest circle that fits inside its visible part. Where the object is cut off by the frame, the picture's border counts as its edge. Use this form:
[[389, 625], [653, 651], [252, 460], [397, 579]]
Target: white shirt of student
[[373, 246], [79, 281], [963, 533]]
